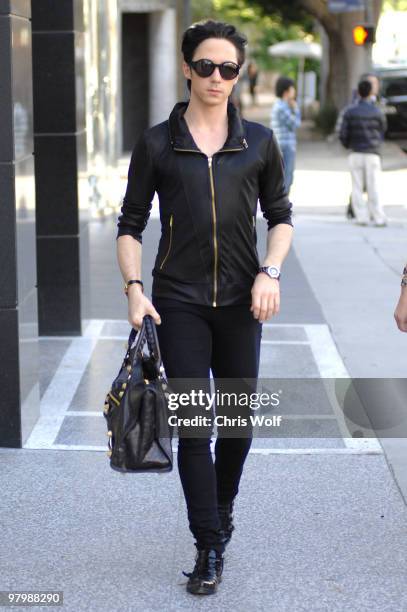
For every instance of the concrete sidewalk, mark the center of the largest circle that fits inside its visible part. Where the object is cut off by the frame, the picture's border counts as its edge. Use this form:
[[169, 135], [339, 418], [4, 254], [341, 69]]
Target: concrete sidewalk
[[313, 532], [322, 178]]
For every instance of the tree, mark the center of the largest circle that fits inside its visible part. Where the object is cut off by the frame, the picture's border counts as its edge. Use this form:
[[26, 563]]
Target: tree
[[262, 30], [345, 61], [395, 5]]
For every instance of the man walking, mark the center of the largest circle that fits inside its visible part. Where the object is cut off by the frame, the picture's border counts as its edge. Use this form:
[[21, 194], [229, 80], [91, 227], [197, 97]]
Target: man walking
[[373, 99], [210, 295], [362, 131], [285, 119]]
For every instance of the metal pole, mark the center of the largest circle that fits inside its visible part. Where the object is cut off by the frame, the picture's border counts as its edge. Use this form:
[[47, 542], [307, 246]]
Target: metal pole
[[301, 79], [369, 11], [186, 19], [187, 14], [370, 20]]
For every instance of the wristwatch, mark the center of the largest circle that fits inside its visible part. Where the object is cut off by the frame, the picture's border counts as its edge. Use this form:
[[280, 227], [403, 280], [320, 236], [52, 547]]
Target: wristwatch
[[271, 271]]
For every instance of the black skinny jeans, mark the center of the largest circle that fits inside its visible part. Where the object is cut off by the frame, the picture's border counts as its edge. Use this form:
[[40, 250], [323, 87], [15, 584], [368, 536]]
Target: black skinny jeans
[[193, 339]]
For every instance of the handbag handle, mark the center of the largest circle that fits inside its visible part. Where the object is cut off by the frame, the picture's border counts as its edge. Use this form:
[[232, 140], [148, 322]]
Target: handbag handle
[[152, 339], [148, 332]]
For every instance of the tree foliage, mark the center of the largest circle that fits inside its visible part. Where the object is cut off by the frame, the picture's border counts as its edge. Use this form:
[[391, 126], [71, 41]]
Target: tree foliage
[[345, 61], [262, 29], [395, 5], [290, 12], [318, 9]]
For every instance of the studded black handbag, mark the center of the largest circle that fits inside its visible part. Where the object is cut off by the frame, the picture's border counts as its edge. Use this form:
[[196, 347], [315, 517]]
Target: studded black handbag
[[136, 408]]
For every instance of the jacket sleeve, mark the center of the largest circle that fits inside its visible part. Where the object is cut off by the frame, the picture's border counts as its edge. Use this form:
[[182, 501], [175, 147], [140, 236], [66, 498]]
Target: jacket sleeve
[[274, 202], [137, 201], [339, 121], [344, 131]]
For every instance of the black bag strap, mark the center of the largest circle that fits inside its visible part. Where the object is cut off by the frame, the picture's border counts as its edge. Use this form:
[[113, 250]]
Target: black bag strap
[[138, 337], [152, 339], [148, 333]]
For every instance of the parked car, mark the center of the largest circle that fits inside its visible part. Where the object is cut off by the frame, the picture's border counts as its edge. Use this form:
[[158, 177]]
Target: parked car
[[393, 91]]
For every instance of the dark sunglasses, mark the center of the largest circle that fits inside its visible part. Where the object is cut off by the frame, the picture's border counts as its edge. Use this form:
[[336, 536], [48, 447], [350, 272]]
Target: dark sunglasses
[[205, 67]]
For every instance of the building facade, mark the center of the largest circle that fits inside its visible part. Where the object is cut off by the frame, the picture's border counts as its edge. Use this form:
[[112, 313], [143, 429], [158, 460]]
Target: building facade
[[80, 79]]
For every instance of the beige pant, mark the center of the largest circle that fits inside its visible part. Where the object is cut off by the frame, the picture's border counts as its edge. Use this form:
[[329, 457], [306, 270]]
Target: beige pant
[[365, 170]]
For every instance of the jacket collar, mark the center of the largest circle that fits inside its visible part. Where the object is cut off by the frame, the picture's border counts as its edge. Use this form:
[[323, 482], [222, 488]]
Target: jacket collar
[[181, 137]]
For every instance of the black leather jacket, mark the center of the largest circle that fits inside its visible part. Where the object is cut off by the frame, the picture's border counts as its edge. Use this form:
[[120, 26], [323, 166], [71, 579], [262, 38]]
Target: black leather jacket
[[363, 127], [207, 251]]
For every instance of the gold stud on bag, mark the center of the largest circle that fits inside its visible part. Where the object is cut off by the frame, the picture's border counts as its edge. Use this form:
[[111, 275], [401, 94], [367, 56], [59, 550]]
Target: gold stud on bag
[[136, 408]]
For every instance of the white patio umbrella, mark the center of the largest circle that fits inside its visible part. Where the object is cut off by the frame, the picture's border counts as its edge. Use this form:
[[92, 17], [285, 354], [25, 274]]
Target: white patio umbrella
[[300, 49], [296, 48]]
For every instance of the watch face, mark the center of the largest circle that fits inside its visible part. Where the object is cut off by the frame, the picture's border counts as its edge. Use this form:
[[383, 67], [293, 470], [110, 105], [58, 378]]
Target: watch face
[[273, 271]]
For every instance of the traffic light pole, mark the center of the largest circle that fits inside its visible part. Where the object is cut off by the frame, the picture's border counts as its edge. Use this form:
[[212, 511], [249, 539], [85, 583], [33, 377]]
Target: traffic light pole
[[369, 18]]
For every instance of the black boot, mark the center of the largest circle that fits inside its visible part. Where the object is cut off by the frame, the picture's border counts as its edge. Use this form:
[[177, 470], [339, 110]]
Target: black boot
[[207, 573], [225, 512]]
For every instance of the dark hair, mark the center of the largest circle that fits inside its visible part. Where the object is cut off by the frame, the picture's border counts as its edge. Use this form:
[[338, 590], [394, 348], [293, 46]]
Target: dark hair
[[283, 84], [200, 31], [364, 88]]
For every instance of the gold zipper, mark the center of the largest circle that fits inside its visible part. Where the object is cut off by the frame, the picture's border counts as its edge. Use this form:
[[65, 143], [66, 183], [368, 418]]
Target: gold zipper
[[215, 241], [114, 399], [169, 246], [245, 146], [227, 150], [220, 150]]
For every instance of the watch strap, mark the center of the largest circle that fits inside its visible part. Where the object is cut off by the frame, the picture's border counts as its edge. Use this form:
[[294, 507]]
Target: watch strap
[[265, 270]]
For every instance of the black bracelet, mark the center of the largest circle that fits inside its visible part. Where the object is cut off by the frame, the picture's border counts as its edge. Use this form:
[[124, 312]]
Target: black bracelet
[[131, 282], [404, 278]]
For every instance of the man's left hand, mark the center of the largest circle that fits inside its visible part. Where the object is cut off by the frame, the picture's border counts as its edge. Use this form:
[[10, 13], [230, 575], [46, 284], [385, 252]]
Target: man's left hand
[[265, 297]]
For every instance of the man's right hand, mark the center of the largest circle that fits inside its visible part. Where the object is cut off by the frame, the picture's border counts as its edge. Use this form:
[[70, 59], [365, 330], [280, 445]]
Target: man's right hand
[[139, 306], [400, 313]]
